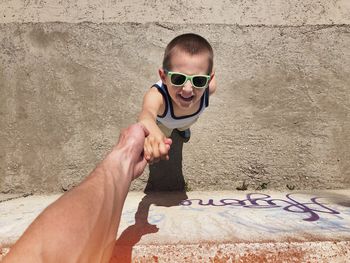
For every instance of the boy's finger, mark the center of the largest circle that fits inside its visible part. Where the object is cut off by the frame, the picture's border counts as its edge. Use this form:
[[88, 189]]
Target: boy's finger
[[168, 141], [155, 150], [165, 157], [163, 149], [147, 152]]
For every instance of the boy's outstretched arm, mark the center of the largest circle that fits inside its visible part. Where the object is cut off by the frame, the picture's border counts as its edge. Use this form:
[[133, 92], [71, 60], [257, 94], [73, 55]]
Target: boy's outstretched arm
[[156, 144], [81, 226]]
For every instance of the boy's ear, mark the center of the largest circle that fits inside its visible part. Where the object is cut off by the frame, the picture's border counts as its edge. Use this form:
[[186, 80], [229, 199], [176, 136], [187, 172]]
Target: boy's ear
[[212, 83], [162, 74], [212, 74]]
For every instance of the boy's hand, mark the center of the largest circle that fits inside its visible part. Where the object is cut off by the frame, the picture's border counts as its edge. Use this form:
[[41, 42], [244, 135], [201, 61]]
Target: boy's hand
[[156, 148]]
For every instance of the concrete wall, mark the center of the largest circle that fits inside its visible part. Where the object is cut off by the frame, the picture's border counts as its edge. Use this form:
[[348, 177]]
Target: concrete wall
[[243, 12], [280, 116]]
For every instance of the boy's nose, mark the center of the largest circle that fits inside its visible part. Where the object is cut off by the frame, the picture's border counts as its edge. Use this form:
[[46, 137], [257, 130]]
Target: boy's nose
[[187, 87]]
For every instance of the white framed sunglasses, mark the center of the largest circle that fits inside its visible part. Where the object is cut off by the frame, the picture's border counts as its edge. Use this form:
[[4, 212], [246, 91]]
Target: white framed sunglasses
[[179, 79]]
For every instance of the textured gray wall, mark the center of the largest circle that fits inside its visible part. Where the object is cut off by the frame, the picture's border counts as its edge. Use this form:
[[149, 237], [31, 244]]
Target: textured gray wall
[[242, 12], [280, 116]]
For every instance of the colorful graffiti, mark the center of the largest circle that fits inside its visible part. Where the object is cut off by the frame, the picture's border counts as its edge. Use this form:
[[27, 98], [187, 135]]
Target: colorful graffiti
[[311, 208]]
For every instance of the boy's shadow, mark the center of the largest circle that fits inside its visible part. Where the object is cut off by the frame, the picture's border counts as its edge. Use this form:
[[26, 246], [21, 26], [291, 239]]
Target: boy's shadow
[[165, 187], [167, 175]]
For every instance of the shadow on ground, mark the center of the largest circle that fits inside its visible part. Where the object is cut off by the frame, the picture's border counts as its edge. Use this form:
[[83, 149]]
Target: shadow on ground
[[133, 234], [337, 198], [165, 187]]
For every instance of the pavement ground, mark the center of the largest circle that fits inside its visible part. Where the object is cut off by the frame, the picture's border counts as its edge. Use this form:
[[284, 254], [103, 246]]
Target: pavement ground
[[220, 226]]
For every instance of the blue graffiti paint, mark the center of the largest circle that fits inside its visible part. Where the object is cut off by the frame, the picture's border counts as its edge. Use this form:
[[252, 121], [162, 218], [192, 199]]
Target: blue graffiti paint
[[156, 218]]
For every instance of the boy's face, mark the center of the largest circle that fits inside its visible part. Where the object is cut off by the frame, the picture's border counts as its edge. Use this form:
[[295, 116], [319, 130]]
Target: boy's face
[[186, 96]]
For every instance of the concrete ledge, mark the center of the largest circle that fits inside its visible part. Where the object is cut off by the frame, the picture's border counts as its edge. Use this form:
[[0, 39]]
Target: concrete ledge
[[216, 226]]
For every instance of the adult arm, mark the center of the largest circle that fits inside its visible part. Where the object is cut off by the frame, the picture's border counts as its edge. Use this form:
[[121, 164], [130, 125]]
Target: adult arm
[[81, 226]]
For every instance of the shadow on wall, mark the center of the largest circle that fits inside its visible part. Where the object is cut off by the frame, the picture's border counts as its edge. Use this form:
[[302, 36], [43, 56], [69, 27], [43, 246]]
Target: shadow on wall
[[165, 176]]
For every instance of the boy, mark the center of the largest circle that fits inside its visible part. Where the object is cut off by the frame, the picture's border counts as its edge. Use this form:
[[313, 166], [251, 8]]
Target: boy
[[180, 96]]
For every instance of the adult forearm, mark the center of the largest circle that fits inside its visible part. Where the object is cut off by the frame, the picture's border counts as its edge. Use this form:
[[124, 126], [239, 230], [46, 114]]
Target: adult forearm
[[86, 219], [81, 226]]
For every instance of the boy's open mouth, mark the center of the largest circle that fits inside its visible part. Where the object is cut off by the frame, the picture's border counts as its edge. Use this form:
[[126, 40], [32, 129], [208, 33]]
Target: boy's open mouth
[[186, 98]]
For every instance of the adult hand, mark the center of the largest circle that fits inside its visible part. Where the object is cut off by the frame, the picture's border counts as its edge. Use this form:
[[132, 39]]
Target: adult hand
[[130, 144]]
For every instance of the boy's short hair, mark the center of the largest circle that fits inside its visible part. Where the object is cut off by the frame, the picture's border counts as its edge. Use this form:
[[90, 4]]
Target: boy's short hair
[[190, 43]]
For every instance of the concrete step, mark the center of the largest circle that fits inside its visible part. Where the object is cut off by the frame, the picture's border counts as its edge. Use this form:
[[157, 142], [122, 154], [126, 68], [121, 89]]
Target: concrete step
[[225, 226]]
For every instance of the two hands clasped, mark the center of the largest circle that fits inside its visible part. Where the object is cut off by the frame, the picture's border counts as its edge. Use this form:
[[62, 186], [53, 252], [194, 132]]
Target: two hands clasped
[[156, 148]]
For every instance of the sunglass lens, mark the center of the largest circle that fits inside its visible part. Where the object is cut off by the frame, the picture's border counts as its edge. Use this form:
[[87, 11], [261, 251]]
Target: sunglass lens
[[200, 81], [178, 79]]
